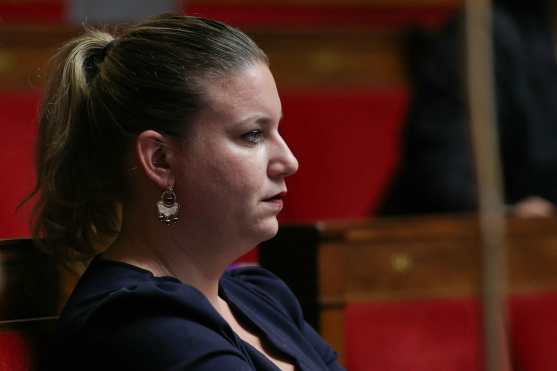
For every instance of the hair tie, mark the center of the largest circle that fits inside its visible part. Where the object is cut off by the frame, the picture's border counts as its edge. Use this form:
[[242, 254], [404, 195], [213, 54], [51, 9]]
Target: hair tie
[[94, 60], [107, 47]]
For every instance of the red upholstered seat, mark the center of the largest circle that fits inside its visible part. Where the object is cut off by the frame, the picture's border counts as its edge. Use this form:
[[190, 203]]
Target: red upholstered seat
[[428, 335], [17, 351], [24, 343], [18, 130], [347, 144], [445, 335], [533, 330], [33, 11]]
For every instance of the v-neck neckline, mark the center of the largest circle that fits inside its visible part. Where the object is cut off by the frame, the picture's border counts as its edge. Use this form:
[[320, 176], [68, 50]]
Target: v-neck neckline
[[245, 316]]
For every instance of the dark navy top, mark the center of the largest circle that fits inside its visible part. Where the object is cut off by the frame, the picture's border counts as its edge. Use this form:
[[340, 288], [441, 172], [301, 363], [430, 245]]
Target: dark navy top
[[121, 317]]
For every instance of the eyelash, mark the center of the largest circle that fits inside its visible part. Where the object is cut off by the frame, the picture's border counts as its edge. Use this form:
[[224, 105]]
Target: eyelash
[[253, 136]]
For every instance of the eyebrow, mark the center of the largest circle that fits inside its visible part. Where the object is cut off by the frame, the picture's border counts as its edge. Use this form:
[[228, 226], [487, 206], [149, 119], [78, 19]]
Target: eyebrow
[[261, 119]]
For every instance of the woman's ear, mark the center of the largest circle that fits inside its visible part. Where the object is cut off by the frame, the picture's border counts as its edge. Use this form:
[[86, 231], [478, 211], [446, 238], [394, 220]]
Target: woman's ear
[[155, 156]]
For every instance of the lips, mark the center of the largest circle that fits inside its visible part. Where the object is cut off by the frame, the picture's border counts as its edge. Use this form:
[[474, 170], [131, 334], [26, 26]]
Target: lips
[[277, 197]]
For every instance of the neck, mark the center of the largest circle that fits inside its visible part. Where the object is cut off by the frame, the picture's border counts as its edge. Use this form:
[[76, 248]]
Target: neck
[[198, 261]]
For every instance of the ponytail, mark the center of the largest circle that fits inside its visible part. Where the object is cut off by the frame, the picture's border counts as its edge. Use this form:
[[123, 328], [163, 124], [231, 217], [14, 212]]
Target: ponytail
[[75, 211]]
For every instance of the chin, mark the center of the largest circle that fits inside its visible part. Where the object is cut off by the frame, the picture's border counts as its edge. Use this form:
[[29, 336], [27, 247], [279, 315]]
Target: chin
[[267, 230]]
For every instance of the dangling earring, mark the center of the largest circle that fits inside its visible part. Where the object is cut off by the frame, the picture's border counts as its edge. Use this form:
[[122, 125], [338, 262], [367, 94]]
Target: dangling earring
[[168, 207]]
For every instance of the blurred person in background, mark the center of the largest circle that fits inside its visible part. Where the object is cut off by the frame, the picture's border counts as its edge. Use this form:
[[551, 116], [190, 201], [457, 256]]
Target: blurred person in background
[[436, 172]]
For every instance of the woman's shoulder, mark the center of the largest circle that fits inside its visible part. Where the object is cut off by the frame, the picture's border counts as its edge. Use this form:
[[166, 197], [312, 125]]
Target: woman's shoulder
[[111, 291], [115, 305]]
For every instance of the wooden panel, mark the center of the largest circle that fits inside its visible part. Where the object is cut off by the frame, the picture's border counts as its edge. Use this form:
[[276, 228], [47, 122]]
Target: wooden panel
[[332, 329], [432, 258], [398, 271], [332, 262], [25, 51], [351, 58], [533, 261]]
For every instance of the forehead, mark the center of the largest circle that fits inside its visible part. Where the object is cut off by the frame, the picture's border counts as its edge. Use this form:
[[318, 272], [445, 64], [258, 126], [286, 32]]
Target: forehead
[[250, 90]]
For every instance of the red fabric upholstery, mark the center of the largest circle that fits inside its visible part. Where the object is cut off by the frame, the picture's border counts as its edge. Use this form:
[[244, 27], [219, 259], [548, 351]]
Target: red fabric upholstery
[[346, 143], [36, 11], [291, 14], [18, 123], [534, 331], [444, 335], [431, 335], [17, 352]]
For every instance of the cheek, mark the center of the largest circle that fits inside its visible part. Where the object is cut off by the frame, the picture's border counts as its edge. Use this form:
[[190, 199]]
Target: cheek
[[227, 174], [225, 181], [240, 176]]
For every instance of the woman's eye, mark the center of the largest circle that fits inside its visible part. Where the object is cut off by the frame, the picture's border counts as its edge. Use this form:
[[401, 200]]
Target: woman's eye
[[253, 137]]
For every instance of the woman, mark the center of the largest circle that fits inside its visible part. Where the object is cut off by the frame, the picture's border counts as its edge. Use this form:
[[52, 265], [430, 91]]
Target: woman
[[172, 128]]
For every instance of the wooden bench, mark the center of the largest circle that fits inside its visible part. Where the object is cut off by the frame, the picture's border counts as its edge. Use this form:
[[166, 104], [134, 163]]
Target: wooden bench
[[405, 267]]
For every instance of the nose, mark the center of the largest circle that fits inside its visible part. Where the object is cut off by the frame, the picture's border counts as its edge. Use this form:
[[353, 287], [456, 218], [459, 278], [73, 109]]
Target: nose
[[282, 162]]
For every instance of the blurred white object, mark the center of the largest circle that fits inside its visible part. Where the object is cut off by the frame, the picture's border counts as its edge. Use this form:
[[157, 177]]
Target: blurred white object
[[534, 207]]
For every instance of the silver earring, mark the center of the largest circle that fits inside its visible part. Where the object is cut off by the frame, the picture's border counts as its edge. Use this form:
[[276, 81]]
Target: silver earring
[[168, 207]]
